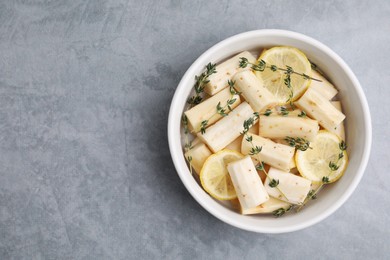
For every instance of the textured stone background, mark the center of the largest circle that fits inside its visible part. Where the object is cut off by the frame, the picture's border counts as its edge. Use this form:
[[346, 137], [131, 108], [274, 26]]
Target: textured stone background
[[85, 88]]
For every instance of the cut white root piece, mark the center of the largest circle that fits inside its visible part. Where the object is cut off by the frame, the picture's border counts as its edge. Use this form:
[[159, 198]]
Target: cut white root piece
[[267, 207], [338, 130], [320, 108], [225, 72], [196, 141], [293, 187], [279, 127], [273, 154], [236, 144], [253, 90], [198, 155], [282, 141], [324, 87], [223, 132], [247, 183], [207, 110]]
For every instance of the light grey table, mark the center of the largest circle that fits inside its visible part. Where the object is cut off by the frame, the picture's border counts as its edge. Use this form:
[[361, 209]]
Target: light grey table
[[85, 88]]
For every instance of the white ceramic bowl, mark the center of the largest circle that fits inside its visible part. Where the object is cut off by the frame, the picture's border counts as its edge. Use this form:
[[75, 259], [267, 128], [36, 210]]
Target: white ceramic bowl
[[358, 130]]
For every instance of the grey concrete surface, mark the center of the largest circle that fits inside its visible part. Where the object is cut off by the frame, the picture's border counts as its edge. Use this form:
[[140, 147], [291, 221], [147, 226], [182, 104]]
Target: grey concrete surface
[[85, 88]]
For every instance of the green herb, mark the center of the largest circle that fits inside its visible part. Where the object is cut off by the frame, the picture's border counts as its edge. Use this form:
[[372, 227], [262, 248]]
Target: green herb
[[302, 114], [325, 179], [273, 68], [281, 211], [260, 166], [333, 166], [233, 91], [268, 112], [184, 121], [200, 82], [299, 143], [221, 110], [288, 71], [249, 122], [273, 183], [311, 195], [262, 65], [287, 82], [188, 144], [315, 67], [343, 146], [284, 111], [255, 150], [194, 100], [203, 126]]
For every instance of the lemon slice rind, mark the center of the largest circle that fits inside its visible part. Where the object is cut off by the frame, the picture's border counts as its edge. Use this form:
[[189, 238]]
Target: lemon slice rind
[[313, 164], [283, 56]]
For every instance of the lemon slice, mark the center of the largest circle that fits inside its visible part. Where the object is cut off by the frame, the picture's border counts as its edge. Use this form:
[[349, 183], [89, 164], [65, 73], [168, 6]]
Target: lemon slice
[[274, 81], [314, 163], [214, 176]]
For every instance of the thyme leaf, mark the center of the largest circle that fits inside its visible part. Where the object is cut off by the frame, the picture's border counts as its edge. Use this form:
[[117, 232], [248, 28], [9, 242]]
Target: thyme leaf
[[273, 183], [268, 112], [279, 212], [284, 111], [325, 179], [299, 143], [312, 194], [302, 114], [203, 126], [260, 166], [255, 150]]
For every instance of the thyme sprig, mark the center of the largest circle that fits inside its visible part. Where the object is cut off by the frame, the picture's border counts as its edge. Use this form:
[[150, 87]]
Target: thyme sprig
[[287, 82], [261, 65], [298, 142], [267, 112], [256, 150], [333, 166], [221, 110], [249, 123], [273, 183], [312, 194], [302, 114], [200, 82], [188, 143]]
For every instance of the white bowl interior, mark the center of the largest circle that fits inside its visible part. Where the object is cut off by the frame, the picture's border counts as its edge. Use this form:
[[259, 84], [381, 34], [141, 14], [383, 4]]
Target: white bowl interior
[[358, 130]]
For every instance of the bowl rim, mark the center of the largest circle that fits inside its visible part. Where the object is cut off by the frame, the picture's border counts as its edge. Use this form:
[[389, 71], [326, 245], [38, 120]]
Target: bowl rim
[[175, 147]]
